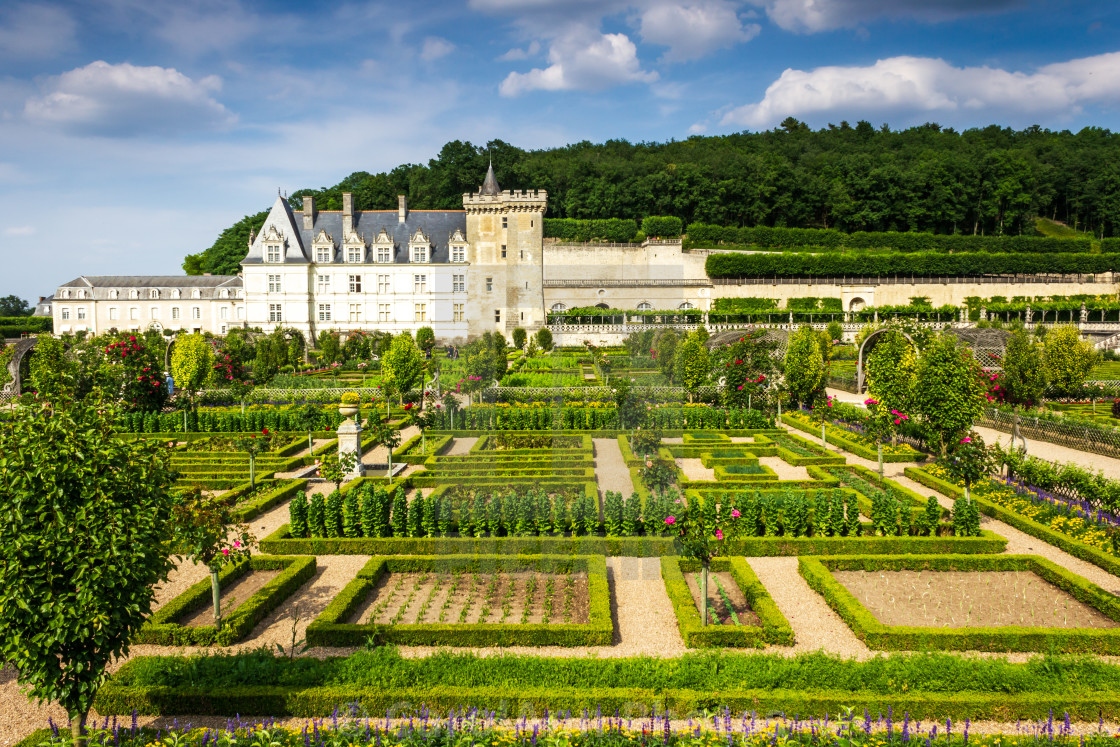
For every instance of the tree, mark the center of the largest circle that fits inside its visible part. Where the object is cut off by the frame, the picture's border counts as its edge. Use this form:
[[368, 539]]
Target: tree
[[745, 365], [402, 364], [805, 374], [702, 535], [693, 366], [133, 375], [519, 336], [15, 306], [1068, 358], [425, 339], [949, 393], [1023, 380], [329, 348], [666, 346], [544, 339], [192, 363], [83, 541], [272, 353], [891, 370], [306, 417], [53, 374]]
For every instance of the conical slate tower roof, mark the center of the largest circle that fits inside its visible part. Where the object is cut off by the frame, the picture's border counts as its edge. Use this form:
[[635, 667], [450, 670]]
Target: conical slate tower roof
[[490, 183]]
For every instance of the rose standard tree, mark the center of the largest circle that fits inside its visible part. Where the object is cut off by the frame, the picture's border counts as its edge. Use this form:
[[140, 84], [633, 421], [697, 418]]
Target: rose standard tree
[[83, 541], [703, 535]]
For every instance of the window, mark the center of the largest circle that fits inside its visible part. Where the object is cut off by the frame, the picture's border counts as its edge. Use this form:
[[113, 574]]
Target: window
[[421, 312], [489, 284], [458, 254], [274, 314], [133, 313], [223, 293], [645, 306], [324, 312], [323, 284], [153, 312], [355, 312], [419, 254], [153, 293], [505, 222], [355, 283], [383, 313], [112, 295], [458, 283], [65, 313], [273, 283], [225, 313], [273, 253], [114, 314], [175, 293], [559, 308], [686, 306], [240, 312], [323, 254], [458, 312], [174, 312], [497, 316], [134, 294], [420, 284], [81, 293], [224, 329], [383, 284], [196, 312], [503, 251], [81, 312], [384, 254], [196, 293], [522, 254], [522, 316], [354, 253]]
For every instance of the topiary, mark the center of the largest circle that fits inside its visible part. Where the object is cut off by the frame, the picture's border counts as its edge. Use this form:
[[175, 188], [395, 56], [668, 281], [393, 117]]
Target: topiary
[[351, 515], [316, 516], [370, 514], [333, 514], [632, 516], [445, 516], [851, 523], [297, 515], [612, 513], [399, 518], [430, 516], [416, 516]]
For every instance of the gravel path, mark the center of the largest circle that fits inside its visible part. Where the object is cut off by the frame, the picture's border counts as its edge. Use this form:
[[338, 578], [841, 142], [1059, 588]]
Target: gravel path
[[694, 469], [785, 470], [461, 446], [611, 472], [1056, 453]]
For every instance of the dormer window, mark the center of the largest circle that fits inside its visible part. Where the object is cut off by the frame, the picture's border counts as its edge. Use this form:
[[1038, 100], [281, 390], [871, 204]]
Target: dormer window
[[66, 293], [134, 294], [176, 293], [419, 253], [113, 295], [354, 254], [196, 293], [323, 254], [385, 254], [223, 293], [81, 293], [273, 253], [153, 293]]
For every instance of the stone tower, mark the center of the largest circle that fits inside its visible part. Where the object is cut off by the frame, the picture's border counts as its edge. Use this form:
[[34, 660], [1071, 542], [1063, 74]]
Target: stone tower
[[505, 232]]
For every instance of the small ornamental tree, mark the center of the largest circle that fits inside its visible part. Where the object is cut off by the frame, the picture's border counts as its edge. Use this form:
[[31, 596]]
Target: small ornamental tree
[[1068, 358], [252, 445], [335, 468], [230, 373], [384, 434], [132, 373], [519, 337], [693, 365], [746, 366], [402, 364], [205, 533], [192, 366], [423, 420], [1023, 380], [805, 371], [53, 374], [330, 350], [949, 393], [544, 339], [702, 535], [968, 461], [83, 542], [425, 339], [892, 367], [306, 417]]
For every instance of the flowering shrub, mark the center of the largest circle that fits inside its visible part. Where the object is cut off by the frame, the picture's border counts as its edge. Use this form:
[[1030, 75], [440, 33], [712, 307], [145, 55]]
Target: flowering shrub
[[134, 375]]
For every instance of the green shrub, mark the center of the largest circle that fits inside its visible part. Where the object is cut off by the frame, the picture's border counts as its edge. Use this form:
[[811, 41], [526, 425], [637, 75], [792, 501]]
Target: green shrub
[[297, 515]]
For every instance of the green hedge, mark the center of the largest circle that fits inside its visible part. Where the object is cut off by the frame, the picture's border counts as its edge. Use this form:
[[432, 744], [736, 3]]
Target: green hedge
[[254, 508], [775, 628], [328, 629], [701, 234], [821, 455], [161, 628], [1022, 523], [745, 473], [930, 264], [817, 572], [658, 226], [281, 542], [617, 230], [986, 544], [410, 452], [839, 437]]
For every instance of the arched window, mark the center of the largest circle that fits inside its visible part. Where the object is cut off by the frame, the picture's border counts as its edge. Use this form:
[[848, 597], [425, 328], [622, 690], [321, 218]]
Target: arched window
[[134, 293], [559, 308], [153, 293], [686, 306], [645, 306]]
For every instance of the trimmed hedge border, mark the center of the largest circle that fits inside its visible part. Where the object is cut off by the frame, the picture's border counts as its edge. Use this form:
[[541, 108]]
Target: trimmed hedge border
[[256, 507], [817, 572], [833, 437], [823, 455], [161, 628], [328, 630], [987, 543], [408, 452], [1040, 531], [775, 628], [281, 542]]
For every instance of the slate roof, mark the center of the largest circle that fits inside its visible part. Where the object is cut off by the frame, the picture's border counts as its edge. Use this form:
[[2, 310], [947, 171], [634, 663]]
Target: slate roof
[[154, 281], [438, 226]]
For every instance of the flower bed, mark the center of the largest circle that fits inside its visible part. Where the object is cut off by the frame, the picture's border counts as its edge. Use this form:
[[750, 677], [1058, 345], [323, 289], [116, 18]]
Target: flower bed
[[817, 572], [330, 628]]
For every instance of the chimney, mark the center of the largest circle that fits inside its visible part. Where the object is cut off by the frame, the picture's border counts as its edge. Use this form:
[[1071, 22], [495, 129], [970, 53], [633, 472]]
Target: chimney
[[308, 212], [347, 215], [402, 209]]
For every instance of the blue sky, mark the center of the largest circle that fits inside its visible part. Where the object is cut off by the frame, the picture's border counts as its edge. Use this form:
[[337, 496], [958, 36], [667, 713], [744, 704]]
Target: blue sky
[[133, 131]]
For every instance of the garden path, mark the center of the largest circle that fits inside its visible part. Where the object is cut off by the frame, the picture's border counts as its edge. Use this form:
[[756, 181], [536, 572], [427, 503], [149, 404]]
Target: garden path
[[1110, 466], [694, 469], [461, 446], [611, 472], [1017, 542]]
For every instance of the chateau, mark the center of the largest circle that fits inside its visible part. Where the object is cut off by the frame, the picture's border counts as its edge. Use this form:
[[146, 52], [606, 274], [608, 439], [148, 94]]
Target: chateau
[[462, 273]]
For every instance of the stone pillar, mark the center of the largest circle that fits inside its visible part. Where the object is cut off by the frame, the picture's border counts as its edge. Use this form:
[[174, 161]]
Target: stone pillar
[[350, 442]]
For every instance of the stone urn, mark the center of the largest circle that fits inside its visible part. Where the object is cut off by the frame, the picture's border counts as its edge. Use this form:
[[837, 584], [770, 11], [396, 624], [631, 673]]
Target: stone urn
[[347, 410]]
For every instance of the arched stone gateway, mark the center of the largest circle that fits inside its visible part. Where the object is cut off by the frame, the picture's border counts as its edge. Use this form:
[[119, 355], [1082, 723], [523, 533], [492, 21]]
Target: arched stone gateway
[[865, 349], [23, 347]]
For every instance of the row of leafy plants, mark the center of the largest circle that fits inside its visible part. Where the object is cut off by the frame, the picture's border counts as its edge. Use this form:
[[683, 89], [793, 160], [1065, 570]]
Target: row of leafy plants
[[925, 264]]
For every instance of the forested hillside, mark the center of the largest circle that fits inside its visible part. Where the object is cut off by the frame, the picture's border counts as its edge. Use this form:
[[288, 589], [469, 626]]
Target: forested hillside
[[985, 181]]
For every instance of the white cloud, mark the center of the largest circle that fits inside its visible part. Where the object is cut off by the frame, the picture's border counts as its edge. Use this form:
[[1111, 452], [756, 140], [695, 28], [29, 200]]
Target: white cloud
[[693, 31], [123, 100], [19, 231], [435, 47], [35, 31], [821, 15], [912, 85], [517, 53], [582, 62]]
